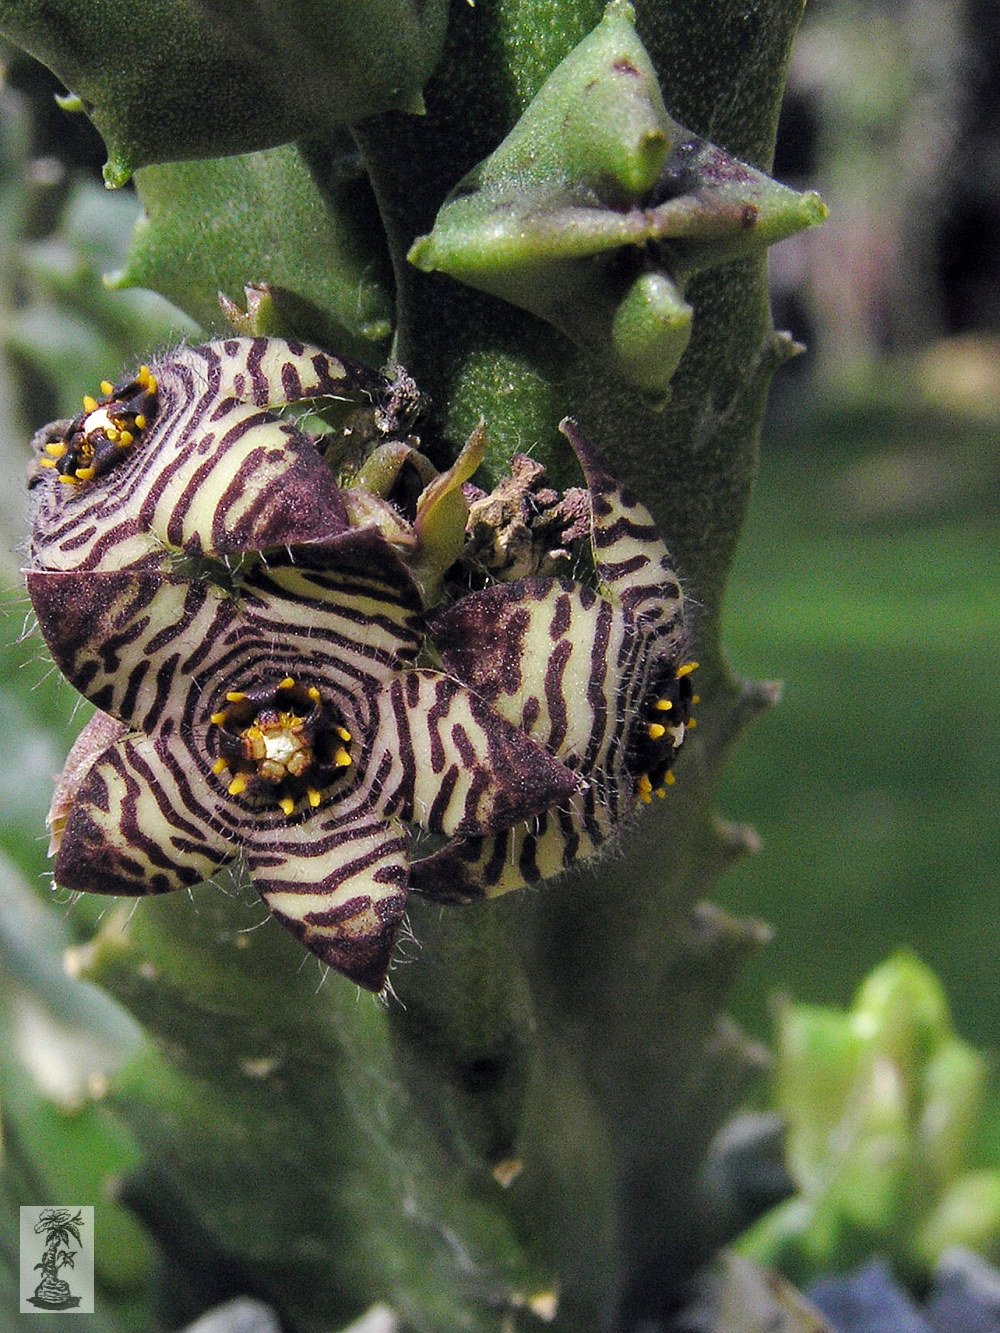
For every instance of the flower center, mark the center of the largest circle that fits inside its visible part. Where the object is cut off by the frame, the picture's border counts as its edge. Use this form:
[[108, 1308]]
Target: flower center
[[99, 437], [660, 732], [282, 742]]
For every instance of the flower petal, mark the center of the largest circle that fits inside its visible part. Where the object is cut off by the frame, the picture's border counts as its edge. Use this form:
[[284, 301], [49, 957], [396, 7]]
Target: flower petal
[[134, 643], [216, 473], [632, 562], [550, 656], [140, 823], [453, 765], [468, 869], [338, 882], [577, 672], [272, 372], [100, 732], [360, 612]]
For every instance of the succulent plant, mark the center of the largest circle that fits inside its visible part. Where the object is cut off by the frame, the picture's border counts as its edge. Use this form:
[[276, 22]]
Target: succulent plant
[[882, 1104], [516, 1135]]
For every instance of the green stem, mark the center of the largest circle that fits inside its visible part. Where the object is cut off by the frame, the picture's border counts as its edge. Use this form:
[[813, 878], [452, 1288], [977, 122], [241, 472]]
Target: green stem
[[618, 1018]]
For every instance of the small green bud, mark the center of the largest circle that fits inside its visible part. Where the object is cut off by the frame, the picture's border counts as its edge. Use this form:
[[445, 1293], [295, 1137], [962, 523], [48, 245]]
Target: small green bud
[[816, 1065], [875, 1138], [881, 1105], [258, 317], [650, 332], [901, 1008]]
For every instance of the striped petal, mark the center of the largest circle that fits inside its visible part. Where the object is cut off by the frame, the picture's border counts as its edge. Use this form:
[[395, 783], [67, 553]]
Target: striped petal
[[141, 822], [361, 610], [550, 656], [99, 733], [273, 372], [632, 562], [468, 869], [453, 766], [338, 883], [134, 643], [142, 645], [579, 672], [215, 473]]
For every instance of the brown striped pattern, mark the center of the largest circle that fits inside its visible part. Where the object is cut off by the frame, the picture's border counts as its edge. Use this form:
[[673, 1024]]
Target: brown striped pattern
[[576, 670], [162, 653], [217, 475]]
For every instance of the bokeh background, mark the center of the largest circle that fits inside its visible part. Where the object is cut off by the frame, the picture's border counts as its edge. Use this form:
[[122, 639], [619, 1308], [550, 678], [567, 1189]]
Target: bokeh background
[[869, 574], [868, 579]]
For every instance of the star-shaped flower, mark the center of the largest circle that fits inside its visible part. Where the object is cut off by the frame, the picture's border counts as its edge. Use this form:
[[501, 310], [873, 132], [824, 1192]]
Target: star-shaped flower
[[251, 640], [601, 679], [288, 724]]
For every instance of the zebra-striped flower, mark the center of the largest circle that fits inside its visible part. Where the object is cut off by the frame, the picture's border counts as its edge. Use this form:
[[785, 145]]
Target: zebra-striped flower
[[190, 458], [601, 679], [250, 633], [275, 713], [287, 724]]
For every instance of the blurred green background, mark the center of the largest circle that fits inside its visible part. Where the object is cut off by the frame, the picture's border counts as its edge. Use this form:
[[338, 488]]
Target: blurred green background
[[868, 579], [869, 583]]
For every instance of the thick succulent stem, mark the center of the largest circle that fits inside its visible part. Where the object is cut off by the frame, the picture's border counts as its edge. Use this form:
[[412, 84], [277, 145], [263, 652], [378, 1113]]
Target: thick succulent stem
[[621, 995]]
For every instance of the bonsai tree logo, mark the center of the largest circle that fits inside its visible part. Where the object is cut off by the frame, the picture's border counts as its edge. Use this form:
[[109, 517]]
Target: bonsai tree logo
[[60, 1227]]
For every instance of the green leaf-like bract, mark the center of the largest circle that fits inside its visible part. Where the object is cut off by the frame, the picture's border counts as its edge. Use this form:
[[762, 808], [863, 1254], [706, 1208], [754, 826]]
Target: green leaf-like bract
[[598, 208], [171, 80], [260, 220]]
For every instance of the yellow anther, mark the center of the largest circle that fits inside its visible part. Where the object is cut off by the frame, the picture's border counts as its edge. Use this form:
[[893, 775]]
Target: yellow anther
[[57, 449], [656, 730], [46, 462], [125, 439], [686, 669], [219, 719], [86, 473], [287, 805], [140, 422], [89, 404], [235, 697], [313, 797], [70, 481], [313, 694], [645, 789], [670, 779], [238, 785], [664, 705], [661, 792], [220, 765], [342, 759], [695, 699], [107, 388], [111, 432], [344, 734], [287, 683], [692, 723]]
